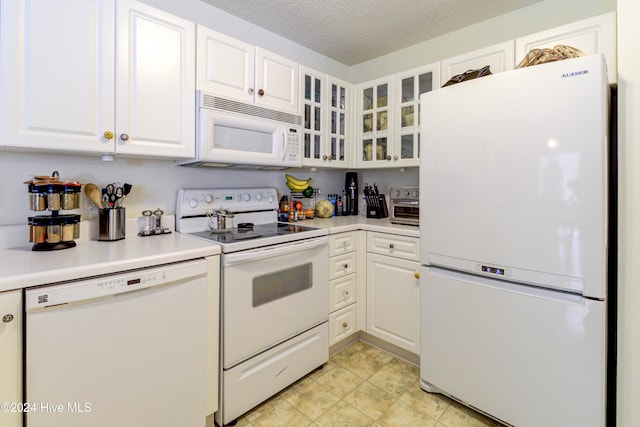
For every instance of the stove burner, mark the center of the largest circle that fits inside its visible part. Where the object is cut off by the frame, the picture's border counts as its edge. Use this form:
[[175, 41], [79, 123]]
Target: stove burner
[[245, 226]]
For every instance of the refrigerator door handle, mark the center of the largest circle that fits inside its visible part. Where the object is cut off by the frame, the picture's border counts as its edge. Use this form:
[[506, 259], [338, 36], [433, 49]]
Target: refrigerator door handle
[[506, 286]]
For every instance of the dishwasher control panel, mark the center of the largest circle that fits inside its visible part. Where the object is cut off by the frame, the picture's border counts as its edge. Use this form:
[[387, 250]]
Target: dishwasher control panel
[[109, 285]]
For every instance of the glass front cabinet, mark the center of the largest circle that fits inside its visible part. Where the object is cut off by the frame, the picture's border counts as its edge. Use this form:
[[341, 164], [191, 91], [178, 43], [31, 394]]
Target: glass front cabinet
[[374, 125], [389, 118], [325, 103]]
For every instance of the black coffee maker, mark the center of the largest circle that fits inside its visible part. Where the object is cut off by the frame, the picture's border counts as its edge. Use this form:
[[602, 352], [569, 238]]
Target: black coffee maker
[[350, 204]]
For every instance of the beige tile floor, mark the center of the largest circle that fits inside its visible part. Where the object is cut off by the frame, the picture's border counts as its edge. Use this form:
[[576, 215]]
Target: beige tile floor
[[362, 386]]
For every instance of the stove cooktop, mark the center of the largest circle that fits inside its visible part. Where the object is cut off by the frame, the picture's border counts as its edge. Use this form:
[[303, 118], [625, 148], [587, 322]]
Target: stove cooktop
[[260, 235]]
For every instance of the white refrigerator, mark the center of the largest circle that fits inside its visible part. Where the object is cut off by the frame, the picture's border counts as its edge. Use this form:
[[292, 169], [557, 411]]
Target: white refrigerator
[[513, 225]]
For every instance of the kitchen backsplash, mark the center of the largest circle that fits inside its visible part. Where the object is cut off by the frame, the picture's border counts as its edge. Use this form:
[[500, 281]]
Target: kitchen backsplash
[[156, 182]]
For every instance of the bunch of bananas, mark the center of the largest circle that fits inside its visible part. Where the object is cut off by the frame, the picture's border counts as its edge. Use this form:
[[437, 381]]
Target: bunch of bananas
[[297, 185]]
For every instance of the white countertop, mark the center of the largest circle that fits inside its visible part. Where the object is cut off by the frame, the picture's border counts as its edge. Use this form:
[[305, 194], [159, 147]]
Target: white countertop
[[21, 267], [339, 224]]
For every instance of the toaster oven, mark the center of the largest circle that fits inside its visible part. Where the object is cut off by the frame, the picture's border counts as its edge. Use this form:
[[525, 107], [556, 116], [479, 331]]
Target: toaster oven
[[404, 205]]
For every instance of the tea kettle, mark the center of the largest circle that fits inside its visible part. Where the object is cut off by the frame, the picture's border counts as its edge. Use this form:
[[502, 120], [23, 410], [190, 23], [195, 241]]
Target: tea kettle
[[220, 220]]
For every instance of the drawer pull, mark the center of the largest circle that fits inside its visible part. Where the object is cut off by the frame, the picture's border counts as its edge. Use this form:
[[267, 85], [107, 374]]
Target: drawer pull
[[345, 324], [416, 274], [7, 318], [390, 245], [345, 265]]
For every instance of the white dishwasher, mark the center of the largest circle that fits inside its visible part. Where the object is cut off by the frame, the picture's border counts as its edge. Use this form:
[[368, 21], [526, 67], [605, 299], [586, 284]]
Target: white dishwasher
[[126, 349]]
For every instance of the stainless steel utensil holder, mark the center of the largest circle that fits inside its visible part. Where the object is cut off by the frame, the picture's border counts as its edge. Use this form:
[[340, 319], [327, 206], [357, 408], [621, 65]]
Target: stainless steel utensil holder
[[112, 224]]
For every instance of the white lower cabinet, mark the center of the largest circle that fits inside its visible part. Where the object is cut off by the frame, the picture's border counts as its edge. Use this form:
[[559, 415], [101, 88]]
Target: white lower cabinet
[[343, 286], [393, 290], [11, 357]]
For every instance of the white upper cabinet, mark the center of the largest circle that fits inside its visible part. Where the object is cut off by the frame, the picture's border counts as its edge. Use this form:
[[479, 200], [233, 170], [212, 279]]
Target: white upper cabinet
[[58, 74], [592, 35], [499, 58], [325, 112], [97, 76], [155, 90], [375, 123], [409, 85], [388, 120], [230, 68]]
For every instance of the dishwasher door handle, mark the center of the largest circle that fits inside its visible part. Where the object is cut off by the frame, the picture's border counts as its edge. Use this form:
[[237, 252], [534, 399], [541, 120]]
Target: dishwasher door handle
[[274, 251]]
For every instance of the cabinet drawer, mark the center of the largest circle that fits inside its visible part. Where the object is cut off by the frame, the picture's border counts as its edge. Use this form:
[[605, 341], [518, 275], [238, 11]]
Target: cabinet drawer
[[342, 292], [395, 246], [343, 323], [342, 243], [342, 265]]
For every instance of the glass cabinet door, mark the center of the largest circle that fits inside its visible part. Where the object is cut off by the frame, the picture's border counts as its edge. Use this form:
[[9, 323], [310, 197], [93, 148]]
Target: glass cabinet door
[[375, 122], [409, 87], [337, 151], [313, 125]]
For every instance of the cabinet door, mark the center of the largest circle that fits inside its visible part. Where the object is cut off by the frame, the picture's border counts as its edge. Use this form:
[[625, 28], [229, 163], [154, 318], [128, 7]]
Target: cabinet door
[[11, 355], [313, 104], [276, 82], [375, 121], [408, 88], [593, 35], [57, 69], [340, 145], [225, 66], [499, 57], [155, 82], [393, 306]]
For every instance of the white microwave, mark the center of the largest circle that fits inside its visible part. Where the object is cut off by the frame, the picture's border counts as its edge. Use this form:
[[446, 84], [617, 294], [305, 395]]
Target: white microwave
[[235, 134]]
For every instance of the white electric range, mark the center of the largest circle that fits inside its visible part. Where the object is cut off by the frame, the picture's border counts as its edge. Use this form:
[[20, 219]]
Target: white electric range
[[274, 293]]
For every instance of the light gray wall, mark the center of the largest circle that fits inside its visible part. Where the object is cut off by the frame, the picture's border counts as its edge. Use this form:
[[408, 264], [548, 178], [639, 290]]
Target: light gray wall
[[532, 19], [628, 387]]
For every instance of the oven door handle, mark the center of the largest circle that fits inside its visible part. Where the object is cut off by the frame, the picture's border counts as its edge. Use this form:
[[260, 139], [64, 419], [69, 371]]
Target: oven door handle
[[274, 251]]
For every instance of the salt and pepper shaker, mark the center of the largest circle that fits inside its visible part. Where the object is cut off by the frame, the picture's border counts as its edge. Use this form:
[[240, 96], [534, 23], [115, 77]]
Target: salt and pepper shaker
[[146, 227], [152, 223], [158, 214]]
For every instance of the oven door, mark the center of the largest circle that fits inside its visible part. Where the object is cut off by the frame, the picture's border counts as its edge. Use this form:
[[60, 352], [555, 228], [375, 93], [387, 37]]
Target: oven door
[[271, 294]]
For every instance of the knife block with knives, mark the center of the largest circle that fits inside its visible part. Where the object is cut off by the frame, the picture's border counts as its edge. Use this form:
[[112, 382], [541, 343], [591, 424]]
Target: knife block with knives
[[376, 202]]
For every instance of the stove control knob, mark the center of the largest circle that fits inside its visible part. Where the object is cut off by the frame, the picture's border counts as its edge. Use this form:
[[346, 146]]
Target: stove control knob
[[193, 203], [415, 193], [208, 198], [258, 196], [397, 193], [270, 199], [246, 197]]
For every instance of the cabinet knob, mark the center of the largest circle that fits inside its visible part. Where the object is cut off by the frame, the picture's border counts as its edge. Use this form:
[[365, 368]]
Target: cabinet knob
[[416, 274], [390, 245], [260, 92], [250, 91], [124, 137], [388, 157], [108, 135], [346, 293], [325, 157], [345, 265], [7, 318], [345, 324], [395, 157]]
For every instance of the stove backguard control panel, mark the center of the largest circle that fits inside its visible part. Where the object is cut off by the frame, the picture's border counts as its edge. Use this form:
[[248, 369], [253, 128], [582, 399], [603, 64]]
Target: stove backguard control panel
[[198, 202]]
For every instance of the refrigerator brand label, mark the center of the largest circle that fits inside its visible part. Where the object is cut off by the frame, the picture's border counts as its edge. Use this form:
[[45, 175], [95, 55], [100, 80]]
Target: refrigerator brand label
[[574, 73]]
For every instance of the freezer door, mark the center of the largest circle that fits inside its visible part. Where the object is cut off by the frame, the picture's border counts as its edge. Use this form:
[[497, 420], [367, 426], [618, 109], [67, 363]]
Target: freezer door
[[527, 356], [513, 175]]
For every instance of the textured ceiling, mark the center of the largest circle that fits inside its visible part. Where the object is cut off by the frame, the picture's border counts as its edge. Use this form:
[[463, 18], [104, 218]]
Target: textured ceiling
[[354, 31]]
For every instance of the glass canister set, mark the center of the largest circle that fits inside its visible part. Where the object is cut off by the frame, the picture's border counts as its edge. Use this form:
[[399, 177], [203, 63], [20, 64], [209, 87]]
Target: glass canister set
[[54, 231]]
